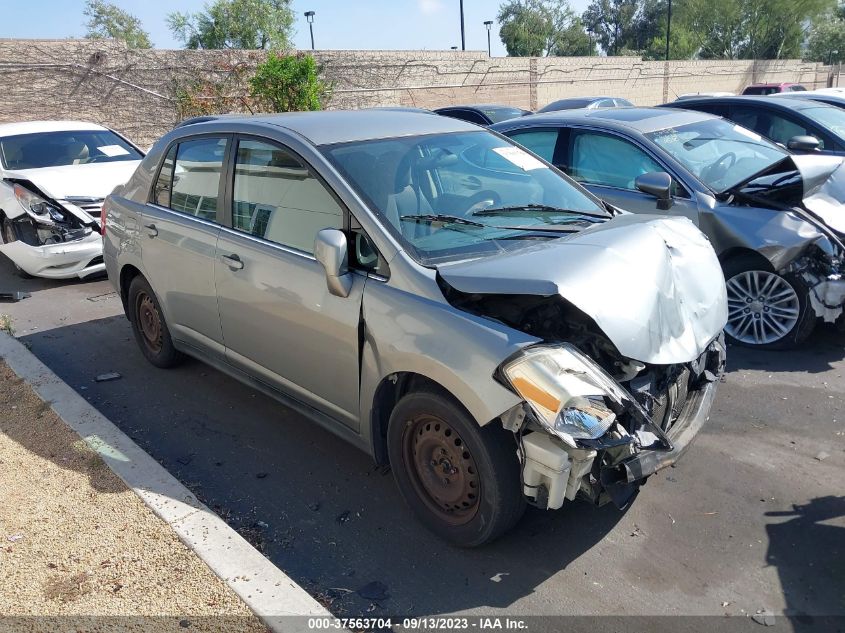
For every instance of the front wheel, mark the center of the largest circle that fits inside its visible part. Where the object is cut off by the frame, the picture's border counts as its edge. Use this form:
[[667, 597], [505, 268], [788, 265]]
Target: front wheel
[[766, 310], [461, 480]]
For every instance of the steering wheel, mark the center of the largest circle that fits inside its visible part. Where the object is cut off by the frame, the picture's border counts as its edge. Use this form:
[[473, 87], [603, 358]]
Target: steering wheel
[[717, 170], [483, 200]]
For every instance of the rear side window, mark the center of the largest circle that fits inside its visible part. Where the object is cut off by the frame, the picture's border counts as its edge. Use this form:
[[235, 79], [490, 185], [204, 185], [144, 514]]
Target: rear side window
[[541, 142], [189, 179], [278, 199]]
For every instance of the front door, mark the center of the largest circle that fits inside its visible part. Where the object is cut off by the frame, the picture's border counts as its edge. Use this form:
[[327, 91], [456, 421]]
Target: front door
[[279, 321]]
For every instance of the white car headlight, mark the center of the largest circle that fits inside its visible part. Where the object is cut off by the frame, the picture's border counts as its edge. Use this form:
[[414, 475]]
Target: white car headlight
[[566, 390]]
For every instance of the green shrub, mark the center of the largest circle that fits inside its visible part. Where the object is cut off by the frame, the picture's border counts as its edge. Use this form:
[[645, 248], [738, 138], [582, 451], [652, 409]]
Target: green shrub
[[288, 83]]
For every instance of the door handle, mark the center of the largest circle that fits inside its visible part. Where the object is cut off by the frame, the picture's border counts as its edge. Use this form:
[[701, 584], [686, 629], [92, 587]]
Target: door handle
[[152, 231], [232, 261]]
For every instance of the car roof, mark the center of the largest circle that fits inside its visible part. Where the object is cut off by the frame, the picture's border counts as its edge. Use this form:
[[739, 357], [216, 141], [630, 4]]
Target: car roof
[[328, 127], [481, 106], [643, 120], [33, 127], [779, 101]]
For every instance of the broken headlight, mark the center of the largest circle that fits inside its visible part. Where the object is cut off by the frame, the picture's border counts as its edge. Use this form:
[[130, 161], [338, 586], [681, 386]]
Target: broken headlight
[[38, 206], [567, 391]]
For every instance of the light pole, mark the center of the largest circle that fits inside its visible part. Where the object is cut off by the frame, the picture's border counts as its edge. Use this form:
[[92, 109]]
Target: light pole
[[309, 15], [463, 39], [488, 24], [668, 28]]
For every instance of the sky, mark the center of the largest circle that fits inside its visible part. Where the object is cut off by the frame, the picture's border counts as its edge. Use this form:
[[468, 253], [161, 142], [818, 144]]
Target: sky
[[338, 24]]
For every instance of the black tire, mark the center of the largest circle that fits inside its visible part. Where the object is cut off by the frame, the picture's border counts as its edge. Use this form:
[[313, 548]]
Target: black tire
[[806, 320], [483, 497], [8, 237], [149, 326]]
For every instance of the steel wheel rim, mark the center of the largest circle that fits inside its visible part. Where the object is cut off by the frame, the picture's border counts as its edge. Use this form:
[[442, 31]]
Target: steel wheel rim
[[763, 307], [442, 470], [149, 321]]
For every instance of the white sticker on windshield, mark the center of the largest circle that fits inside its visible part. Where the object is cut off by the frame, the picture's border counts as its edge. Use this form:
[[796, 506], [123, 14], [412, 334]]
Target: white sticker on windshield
[[113, 150], [520, 158], [747, 132]]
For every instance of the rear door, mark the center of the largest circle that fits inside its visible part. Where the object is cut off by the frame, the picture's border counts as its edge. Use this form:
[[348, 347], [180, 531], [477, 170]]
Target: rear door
[[179, 230], [279, 321]]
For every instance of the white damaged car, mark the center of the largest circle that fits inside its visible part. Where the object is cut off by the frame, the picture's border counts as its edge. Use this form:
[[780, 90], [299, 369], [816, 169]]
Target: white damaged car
[[54, 176]]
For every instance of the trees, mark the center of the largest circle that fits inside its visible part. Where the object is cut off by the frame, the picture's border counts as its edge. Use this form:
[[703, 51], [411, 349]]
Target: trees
[[612, 22], [247, 24], [542, 27], [826, 42], [106, 20]]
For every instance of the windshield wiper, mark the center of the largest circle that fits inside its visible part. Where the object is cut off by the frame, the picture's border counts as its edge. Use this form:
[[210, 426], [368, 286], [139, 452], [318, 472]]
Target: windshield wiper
[[536, 208], [775, 183], [440, 217]]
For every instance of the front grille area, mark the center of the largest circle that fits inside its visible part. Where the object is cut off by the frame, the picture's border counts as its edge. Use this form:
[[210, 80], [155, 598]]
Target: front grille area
[[663, 397]]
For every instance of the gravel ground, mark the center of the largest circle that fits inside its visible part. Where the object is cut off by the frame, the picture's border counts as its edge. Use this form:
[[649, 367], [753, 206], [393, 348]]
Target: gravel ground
[[75, 541]]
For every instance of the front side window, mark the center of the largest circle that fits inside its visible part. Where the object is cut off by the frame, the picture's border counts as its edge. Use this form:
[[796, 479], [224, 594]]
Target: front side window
[[603, 159], [59, 149], [829, 117], [189, 178], [719, 153], [276, 197], [463, 194]]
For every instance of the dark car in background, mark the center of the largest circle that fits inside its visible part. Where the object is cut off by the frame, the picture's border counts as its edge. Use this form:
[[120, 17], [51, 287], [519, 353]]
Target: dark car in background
[[829, 98], [782, 120], [575, 103], [482, 114], [776, 220], [770, 89]]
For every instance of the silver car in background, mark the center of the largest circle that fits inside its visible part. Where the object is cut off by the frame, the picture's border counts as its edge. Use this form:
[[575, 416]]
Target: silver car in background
[[434, 294]]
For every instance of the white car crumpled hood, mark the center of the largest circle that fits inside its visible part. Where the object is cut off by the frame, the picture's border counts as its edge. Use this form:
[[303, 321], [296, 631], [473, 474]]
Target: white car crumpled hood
[[652, 284], [96, 180]]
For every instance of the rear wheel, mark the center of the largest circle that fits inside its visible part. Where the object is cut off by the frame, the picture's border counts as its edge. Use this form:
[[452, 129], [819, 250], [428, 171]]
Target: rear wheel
[[149, 326], [10, 236], [765, 309], [461, 480]]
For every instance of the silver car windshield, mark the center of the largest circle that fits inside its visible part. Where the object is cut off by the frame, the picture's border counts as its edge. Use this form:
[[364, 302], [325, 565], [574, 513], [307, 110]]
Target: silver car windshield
[[464, 194], [719, 153]]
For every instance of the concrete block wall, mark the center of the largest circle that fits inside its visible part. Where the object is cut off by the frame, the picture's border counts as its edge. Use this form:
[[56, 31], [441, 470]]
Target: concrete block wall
[[138, 92]]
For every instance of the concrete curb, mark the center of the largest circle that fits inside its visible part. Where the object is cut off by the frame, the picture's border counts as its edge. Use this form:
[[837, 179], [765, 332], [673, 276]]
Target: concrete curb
[[267, 590]]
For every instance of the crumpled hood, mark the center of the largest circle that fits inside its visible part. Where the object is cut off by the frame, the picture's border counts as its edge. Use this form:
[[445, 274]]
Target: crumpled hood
[[96, 180], [652, 284], [824, 187]]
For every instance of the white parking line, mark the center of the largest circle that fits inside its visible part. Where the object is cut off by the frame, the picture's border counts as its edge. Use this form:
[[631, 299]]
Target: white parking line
[[267, 590]]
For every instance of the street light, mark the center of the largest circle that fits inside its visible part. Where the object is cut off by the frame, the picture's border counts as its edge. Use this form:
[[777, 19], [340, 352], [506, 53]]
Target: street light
[[488, 24], [668, 29], [309, 15], [463, 39]]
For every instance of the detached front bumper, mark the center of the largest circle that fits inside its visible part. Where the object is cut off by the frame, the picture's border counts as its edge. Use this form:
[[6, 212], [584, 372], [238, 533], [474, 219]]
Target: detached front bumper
[[66, 260]]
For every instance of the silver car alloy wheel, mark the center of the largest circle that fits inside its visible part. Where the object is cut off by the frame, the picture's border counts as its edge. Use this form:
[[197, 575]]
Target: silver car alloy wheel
[[762, 307]]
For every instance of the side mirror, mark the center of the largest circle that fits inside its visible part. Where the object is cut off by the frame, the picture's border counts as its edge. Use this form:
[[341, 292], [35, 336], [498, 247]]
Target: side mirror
[[659, 185], [330, 249], [803, 144]]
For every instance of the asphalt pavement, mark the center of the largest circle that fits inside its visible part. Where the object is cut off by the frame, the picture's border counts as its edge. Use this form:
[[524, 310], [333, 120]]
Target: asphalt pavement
[[751, 519]]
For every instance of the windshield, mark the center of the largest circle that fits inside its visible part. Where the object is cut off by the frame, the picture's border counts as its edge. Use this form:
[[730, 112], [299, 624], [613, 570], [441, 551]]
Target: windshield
[[719, 153], [497, 115], [57, 149], [459, 195], [830, 117]]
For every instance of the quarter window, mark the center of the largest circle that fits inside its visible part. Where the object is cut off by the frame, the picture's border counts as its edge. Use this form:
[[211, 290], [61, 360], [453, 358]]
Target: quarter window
[[602, 159], [278, 199], [189, 180]]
